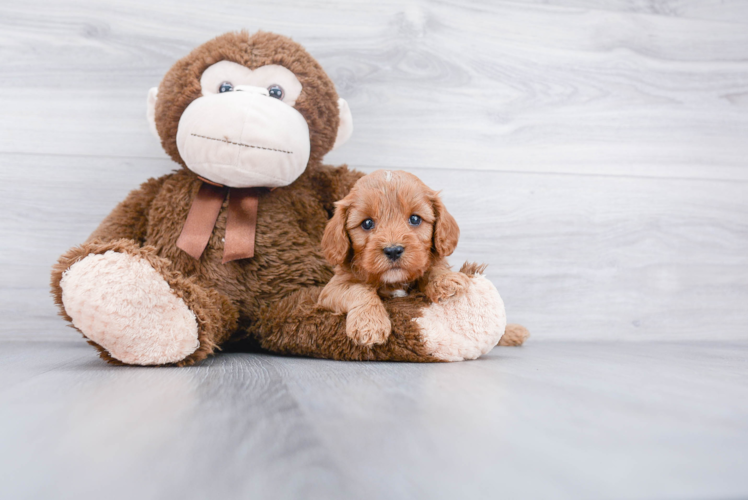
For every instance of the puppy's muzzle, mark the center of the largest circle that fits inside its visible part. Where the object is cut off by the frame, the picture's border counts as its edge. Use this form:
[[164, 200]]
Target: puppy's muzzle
[[394, 252]]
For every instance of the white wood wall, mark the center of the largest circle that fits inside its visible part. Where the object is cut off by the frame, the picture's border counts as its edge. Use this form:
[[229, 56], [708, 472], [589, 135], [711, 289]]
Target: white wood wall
[[595, 153]]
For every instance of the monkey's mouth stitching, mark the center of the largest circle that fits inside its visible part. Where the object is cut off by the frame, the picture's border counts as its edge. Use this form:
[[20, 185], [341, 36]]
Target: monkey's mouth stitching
[[240, 144]]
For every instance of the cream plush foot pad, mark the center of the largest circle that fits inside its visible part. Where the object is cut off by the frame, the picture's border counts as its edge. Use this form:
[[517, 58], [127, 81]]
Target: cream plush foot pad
[[467, 326], [120, 302]]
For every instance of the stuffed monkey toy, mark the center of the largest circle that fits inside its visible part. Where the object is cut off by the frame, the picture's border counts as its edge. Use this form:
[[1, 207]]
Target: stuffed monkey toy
[[226, 250]]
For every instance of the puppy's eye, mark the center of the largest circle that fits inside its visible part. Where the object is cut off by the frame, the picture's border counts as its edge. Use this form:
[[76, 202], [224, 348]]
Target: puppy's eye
[[225, 87], [276, 91], [415, 220], [367, 225]]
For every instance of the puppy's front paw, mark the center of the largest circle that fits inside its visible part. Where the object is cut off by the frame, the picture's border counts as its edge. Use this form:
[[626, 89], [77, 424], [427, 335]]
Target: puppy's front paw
[[447, 285], [368, 325]]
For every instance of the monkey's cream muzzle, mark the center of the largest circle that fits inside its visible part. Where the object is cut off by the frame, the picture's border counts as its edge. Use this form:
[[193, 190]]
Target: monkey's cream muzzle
[[244, 139]]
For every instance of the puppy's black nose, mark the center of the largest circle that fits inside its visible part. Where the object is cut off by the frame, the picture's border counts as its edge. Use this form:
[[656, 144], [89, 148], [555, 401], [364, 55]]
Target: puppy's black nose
[[393, 253]]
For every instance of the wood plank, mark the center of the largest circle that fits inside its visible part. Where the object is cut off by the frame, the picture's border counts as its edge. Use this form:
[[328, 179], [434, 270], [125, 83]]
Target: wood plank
[[552, 420], [729, 11], [156, 433], [548, 420], [583, 257], [478, 85]]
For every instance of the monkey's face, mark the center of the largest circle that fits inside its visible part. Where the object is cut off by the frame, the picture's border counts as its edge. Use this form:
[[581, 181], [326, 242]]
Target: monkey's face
[[244, 131], [249, 124]]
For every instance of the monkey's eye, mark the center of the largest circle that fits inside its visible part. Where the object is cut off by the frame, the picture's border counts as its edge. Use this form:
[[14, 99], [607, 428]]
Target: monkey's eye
[[276, 91], [367, 225], [225, 87], [415, 220]]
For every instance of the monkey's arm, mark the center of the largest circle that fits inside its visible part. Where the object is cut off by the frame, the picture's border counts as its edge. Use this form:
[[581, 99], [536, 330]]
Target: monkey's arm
[[344, 181], [334, 183], [129, 219]]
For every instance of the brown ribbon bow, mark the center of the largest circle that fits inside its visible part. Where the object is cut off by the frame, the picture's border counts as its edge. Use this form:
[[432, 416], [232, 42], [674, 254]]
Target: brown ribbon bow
[[241, 222]]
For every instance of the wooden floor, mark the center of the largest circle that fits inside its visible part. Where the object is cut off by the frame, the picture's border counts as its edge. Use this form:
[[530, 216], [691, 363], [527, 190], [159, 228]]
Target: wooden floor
[[549, 420], [595, 155]]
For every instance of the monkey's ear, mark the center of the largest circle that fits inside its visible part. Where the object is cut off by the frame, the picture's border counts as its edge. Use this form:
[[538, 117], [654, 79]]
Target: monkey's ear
[[335, 243], [151, 110], [446, 230], [345, 128]]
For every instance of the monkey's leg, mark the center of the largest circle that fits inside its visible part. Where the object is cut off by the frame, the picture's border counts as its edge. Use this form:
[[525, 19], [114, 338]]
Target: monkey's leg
[[135, 309], [456, 329], [295, 325]]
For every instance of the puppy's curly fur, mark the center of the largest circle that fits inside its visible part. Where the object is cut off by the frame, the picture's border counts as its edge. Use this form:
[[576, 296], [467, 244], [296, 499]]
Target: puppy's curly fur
[[389, 236]]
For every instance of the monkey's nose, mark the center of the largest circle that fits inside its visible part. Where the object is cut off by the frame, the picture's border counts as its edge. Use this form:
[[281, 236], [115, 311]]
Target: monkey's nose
[[251, 88], [393, 253]]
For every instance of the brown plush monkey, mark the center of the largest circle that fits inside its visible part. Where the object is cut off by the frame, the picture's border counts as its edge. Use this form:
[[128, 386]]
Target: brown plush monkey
[[227, 249]]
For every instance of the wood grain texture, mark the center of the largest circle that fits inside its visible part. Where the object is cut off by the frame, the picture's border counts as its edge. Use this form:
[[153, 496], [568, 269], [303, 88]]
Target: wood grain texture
[[550, 420], [594, 153], [488, 85], [583, 257]]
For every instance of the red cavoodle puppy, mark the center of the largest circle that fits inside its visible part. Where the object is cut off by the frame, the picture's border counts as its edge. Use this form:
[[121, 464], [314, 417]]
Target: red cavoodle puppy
[[389, 236]]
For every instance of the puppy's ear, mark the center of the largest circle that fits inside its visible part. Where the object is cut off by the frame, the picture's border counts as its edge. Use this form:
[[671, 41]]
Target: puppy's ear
[[446, 230], [335, 242]]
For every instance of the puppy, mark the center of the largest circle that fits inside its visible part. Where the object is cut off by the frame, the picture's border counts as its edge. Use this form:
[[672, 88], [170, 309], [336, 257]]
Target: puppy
[[389, 236]]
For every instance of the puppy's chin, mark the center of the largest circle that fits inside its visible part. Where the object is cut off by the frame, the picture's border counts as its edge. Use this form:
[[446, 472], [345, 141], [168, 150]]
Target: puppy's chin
[[395, 276]]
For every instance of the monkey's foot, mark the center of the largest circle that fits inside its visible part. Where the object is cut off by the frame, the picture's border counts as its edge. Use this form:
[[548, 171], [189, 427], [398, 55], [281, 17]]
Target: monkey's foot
[[120, 302], [466, 326]]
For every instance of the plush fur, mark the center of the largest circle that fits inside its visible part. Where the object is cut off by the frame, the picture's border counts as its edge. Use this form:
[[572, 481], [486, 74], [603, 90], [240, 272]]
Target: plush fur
[[268, 300], [142, 323]]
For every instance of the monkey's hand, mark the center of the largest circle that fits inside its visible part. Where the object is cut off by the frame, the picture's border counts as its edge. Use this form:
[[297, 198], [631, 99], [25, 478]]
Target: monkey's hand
[[368, 324], [446, 285]]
